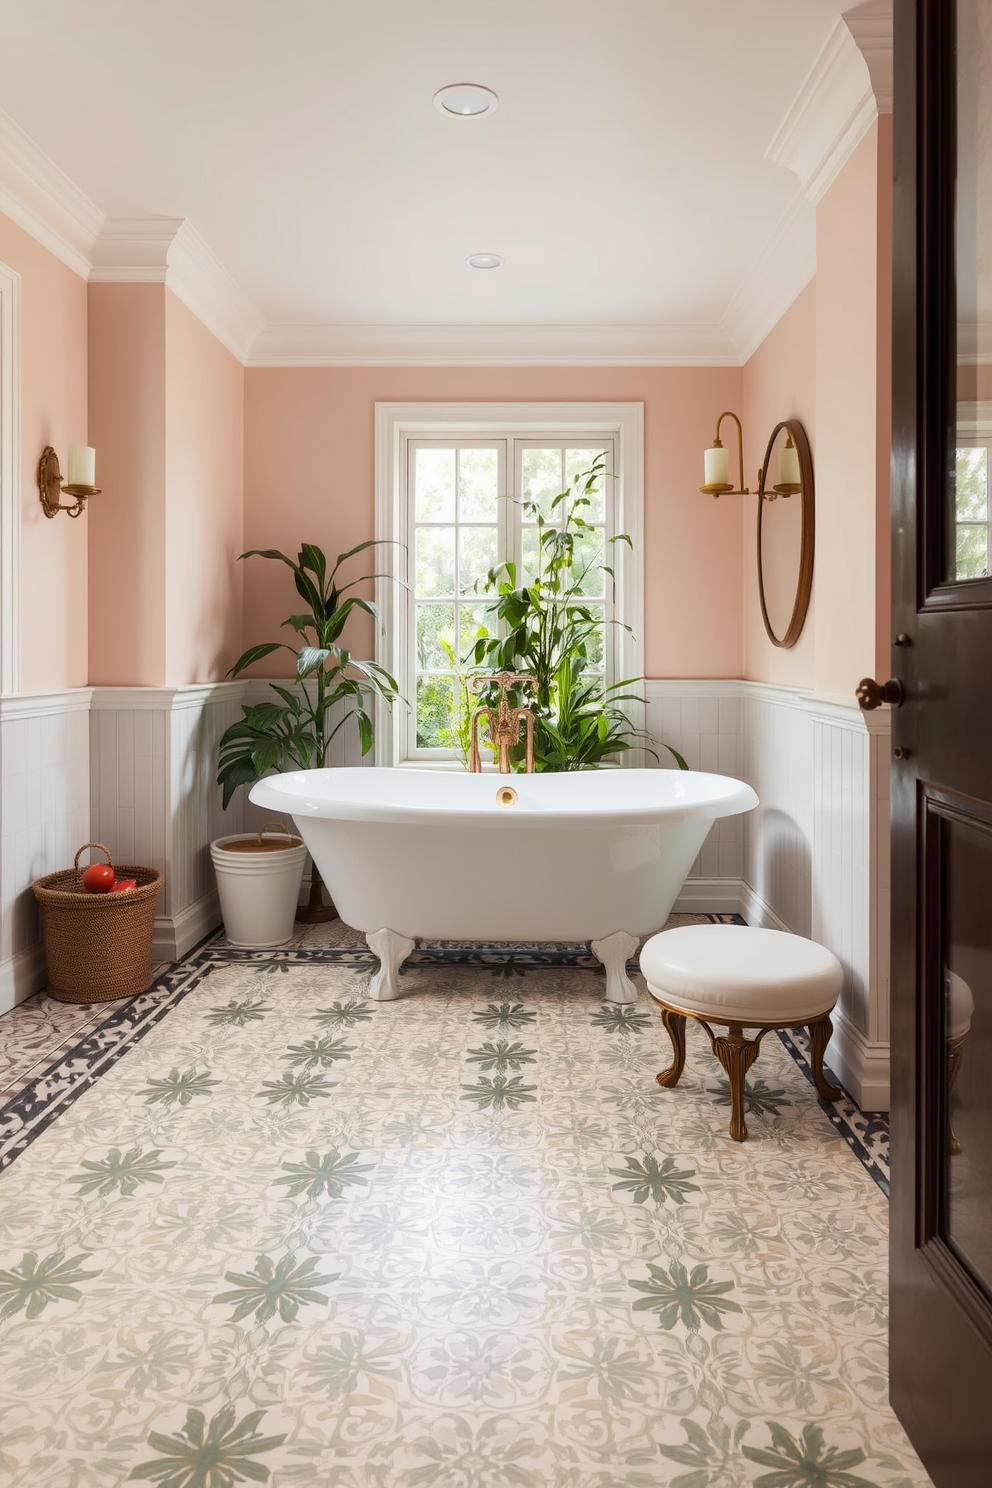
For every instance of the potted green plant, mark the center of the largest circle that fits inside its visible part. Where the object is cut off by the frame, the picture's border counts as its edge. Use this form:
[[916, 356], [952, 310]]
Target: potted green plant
[[293, 729], [553, 633]]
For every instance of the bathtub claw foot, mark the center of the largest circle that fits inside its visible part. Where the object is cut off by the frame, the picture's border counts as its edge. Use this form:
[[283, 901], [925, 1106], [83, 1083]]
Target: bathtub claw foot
[[392, 950], [614, 951]]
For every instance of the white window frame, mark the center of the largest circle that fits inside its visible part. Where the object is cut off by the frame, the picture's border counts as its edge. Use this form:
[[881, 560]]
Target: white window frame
[[397, 423], [974, 431]]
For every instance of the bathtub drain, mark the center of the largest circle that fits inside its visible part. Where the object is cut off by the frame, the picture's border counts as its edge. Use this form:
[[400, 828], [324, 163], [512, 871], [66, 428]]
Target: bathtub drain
[[506, 795]]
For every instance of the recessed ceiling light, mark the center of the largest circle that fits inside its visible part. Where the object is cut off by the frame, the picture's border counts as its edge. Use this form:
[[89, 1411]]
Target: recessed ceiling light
[[485, 260], [465, 100]]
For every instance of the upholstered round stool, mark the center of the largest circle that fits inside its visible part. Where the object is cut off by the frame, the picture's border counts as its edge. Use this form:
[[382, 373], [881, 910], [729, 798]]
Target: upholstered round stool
[[743, 978]]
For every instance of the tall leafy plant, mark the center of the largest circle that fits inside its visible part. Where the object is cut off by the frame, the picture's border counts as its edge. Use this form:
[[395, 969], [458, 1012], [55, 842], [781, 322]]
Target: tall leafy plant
[[554, 633], [295, 728]]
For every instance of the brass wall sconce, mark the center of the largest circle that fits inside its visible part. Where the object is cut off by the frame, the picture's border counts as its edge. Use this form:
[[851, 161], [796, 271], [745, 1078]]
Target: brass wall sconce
[[82, 473], [716, 467], [716, 463]]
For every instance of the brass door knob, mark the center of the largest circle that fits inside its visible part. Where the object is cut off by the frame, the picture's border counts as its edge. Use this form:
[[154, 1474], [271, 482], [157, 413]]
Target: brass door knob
[[871, 694]]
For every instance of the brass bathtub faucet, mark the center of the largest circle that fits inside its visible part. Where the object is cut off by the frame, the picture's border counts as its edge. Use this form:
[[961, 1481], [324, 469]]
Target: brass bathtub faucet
[[504, 724]]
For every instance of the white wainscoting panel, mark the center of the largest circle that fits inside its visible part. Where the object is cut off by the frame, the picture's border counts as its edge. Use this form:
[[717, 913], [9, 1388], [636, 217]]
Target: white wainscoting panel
[[154, 799], [44, 819], [702, 720]]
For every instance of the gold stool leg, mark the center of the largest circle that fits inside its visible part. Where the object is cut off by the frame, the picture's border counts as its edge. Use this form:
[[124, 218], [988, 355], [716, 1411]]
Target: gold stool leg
[[819, 1038], [737, 1054], [674, 1023]]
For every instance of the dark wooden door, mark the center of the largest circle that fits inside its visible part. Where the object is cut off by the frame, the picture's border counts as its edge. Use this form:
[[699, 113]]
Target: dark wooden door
[[941, 1249]]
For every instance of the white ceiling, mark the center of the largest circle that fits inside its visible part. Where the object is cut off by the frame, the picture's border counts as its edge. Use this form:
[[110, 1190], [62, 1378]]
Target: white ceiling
[[623, 177]]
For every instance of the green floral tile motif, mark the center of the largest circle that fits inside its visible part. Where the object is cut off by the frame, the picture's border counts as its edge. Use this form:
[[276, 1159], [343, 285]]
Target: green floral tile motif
[[299, 1090], [209, 1456], [318, 1053], [501, 1056], [759, 1098], [506, 1015], [343, 1014], [238, 1014], [651, 1180], [807, 1463], [175, 1088], [616, 1018], [34, 1283], [484, 1250], [285, 1287], [329, 1174], [687, 1297], [712, 1454], [499, 1093], [123, 1171]]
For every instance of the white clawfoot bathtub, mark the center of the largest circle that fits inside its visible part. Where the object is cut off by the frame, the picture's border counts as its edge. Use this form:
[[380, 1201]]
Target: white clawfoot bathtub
[[596, 855]]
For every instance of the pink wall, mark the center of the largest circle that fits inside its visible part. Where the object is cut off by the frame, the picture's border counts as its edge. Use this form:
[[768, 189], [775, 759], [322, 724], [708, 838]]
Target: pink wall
[[167, 405], [848, 445], [127, 539], [779, 383], [53, 411], [204, 458], [309, 468]]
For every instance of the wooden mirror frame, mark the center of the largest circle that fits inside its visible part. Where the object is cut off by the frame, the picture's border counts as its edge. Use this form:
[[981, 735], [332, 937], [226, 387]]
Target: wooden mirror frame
[[804, 582]]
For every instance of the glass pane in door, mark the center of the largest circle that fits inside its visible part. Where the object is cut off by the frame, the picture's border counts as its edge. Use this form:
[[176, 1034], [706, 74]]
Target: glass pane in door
[[967, 544], [967, 1043]]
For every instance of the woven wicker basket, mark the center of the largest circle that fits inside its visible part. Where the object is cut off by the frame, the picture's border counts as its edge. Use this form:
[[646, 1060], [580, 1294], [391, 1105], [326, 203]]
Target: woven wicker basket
[[98, 946]]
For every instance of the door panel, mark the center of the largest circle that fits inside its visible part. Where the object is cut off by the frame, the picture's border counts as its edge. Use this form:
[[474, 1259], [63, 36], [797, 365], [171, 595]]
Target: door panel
[[941, 1235]]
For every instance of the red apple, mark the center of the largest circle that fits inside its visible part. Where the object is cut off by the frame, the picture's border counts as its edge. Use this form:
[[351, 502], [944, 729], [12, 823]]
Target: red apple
[[123, 884], [98, 878]]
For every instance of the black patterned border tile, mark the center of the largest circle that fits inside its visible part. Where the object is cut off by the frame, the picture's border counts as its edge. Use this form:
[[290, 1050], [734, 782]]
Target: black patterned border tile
[[865, 1132], [72, 1073]]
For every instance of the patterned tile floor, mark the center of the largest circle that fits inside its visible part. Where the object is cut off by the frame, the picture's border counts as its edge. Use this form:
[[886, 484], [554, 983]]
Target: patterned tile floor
[[255, 1228]]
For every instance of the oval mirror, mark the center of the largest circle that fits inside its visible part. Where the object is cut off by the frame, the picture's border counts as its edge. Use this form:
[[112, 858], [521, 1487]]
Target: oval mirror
[[785, 533]]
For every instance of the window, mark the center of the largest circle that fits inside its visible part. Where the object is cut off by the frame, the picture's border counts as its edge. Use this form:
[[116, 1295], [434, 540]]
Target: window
[[971, 510], [449, 493]]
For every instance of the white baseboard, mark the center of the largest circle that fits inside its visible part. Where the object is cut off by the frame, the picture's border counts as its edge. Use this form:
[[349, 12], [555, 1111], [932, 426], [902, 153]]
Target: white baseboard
[[758, 912], [175, 935], [861, 1066], [710, 896], [21, 976], [727, 896]]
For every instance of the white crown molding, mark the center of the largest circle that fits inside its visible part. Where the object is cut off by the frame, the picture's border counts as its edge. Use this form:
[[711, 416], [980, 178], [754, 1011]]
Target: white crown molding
[[785, 267], [134, 250], [42, 200], [493, 345], [170, 251], [871, 26], [829, 116]]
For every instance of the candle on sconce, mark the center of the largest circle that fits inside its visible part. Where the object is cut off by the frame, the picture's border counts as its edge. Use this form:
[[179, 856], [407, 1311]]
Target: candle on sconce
[[716, 465], [82, 465], [788, 465]]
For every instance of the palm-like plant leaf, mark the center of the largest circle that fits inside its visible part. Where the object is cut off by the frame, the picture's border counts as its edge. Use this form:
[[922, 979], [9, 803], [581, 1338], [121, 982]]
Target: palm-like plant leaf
[[296, 731]]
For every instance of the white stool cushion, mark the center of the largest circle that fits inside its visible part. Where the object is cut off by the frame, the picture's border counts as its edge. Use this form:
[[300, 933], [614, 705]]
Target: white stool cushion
[[733, 974]]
